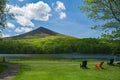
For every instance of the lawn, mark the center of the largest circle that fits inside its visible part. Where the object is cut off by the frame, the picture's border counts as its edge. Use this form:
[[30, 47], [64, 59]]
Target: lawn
[[64, 70]]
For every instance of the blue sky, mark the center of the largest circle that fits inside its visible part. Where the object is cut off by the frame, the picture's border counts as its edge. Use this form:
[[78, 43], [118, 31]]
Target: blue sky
[[62, 16]]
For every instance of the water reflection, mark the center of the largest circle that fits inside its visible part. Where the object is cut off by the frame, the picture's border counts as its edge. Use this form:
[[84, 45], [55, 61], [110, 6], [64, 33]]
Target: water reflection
[[69, 56]]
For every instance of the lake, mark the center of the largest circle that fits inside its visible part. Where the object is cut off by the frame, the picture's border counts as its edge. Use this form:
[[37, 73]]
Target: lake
[[67, 56]]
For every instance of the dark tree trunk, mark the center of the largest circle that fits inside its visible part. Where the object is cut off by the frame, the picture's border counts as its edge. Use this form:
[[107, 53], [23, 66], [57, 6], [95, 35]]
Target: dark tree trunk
[[4, 60]]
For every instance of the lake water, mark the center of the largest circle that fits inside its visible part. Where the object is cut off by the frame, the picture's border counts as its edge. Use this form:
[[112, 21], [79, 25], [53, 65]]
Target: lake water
[[67, 56]]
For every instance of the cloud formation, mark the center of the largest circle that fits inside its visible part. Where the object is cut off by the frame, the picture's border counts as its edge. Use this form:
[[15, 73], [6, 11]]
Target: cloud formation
[[33, 11], [22, 29], [10, 25], [6, 35], [21, 0], [62, 15], [60, 7]]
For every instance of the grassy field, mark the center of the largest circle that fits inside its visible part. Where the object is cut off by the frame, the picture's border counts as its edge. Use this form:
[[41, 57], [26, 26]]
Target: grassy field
[[65, 70]]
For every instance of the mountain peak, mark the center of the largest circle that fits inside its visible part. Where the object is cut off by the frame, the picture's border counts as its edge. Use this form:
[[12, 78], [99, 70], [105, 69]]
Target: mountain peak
[[45, 31], [42, 27], [39, 32]]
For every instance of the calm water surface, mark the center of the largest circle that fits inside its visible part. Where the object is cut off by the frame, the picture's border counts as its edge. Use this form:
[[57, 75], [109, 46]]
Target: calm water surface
[[69, 56]]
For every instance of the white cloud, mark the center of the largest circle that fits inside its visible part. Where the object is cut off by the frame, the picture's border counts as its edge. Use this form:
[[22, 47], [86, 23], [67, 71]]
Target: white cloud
[[59, 9], [6, 35], [23, 29], [33, 11], [10, 25], [62, 15], [60, 6], [52, 4], [21, 0], [24, 21]]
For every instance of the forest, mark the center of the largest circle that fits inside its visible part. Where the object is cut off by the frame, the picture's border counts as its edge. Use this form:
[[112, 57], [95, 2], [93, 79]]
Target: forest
[[59, 44]]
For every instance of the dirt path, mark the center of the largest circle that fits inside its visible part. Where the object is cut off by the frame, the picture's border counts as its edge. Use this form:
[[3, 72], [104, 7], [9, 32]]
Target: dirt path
[[10, 73]]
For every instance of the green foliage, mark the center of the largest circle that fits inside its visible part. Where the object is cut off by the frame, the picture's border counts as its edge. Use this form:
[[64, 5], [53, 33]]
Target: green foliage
[[114, 35], [2, 13], [106, 11], [2, 68], [58, 44]]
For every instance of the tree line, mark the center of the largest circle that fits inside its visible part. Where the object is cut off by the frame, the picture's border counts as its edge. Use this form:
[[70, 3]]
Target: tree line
[[59, 44]]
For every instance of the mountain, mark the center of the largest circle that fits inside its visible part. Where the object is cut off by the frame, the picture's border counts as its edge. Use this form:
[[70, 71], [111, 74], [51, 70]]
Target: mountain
[[38, 33]]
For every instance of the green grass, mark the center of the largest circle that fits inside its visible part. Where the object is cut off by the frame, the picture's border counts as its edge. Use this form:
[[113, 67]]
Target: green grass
[[2, 68], [64, 70]]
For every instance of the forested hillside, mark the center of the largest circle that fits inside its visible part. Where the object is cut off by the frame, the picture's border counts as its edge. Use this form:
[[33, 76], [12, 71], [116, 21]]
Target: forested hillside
[[58, 44]]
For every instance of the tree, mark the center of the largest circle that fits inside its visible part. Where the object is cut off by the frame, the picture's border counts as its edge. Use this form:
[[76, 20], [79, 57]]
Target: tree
[[107, 11], [4, 15], [114, 35]]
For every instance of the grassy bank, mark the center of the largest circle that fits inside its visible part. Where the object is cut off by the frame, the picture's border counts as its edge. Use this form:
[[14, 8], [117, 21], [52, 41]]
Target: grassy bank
[[65, 70]]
